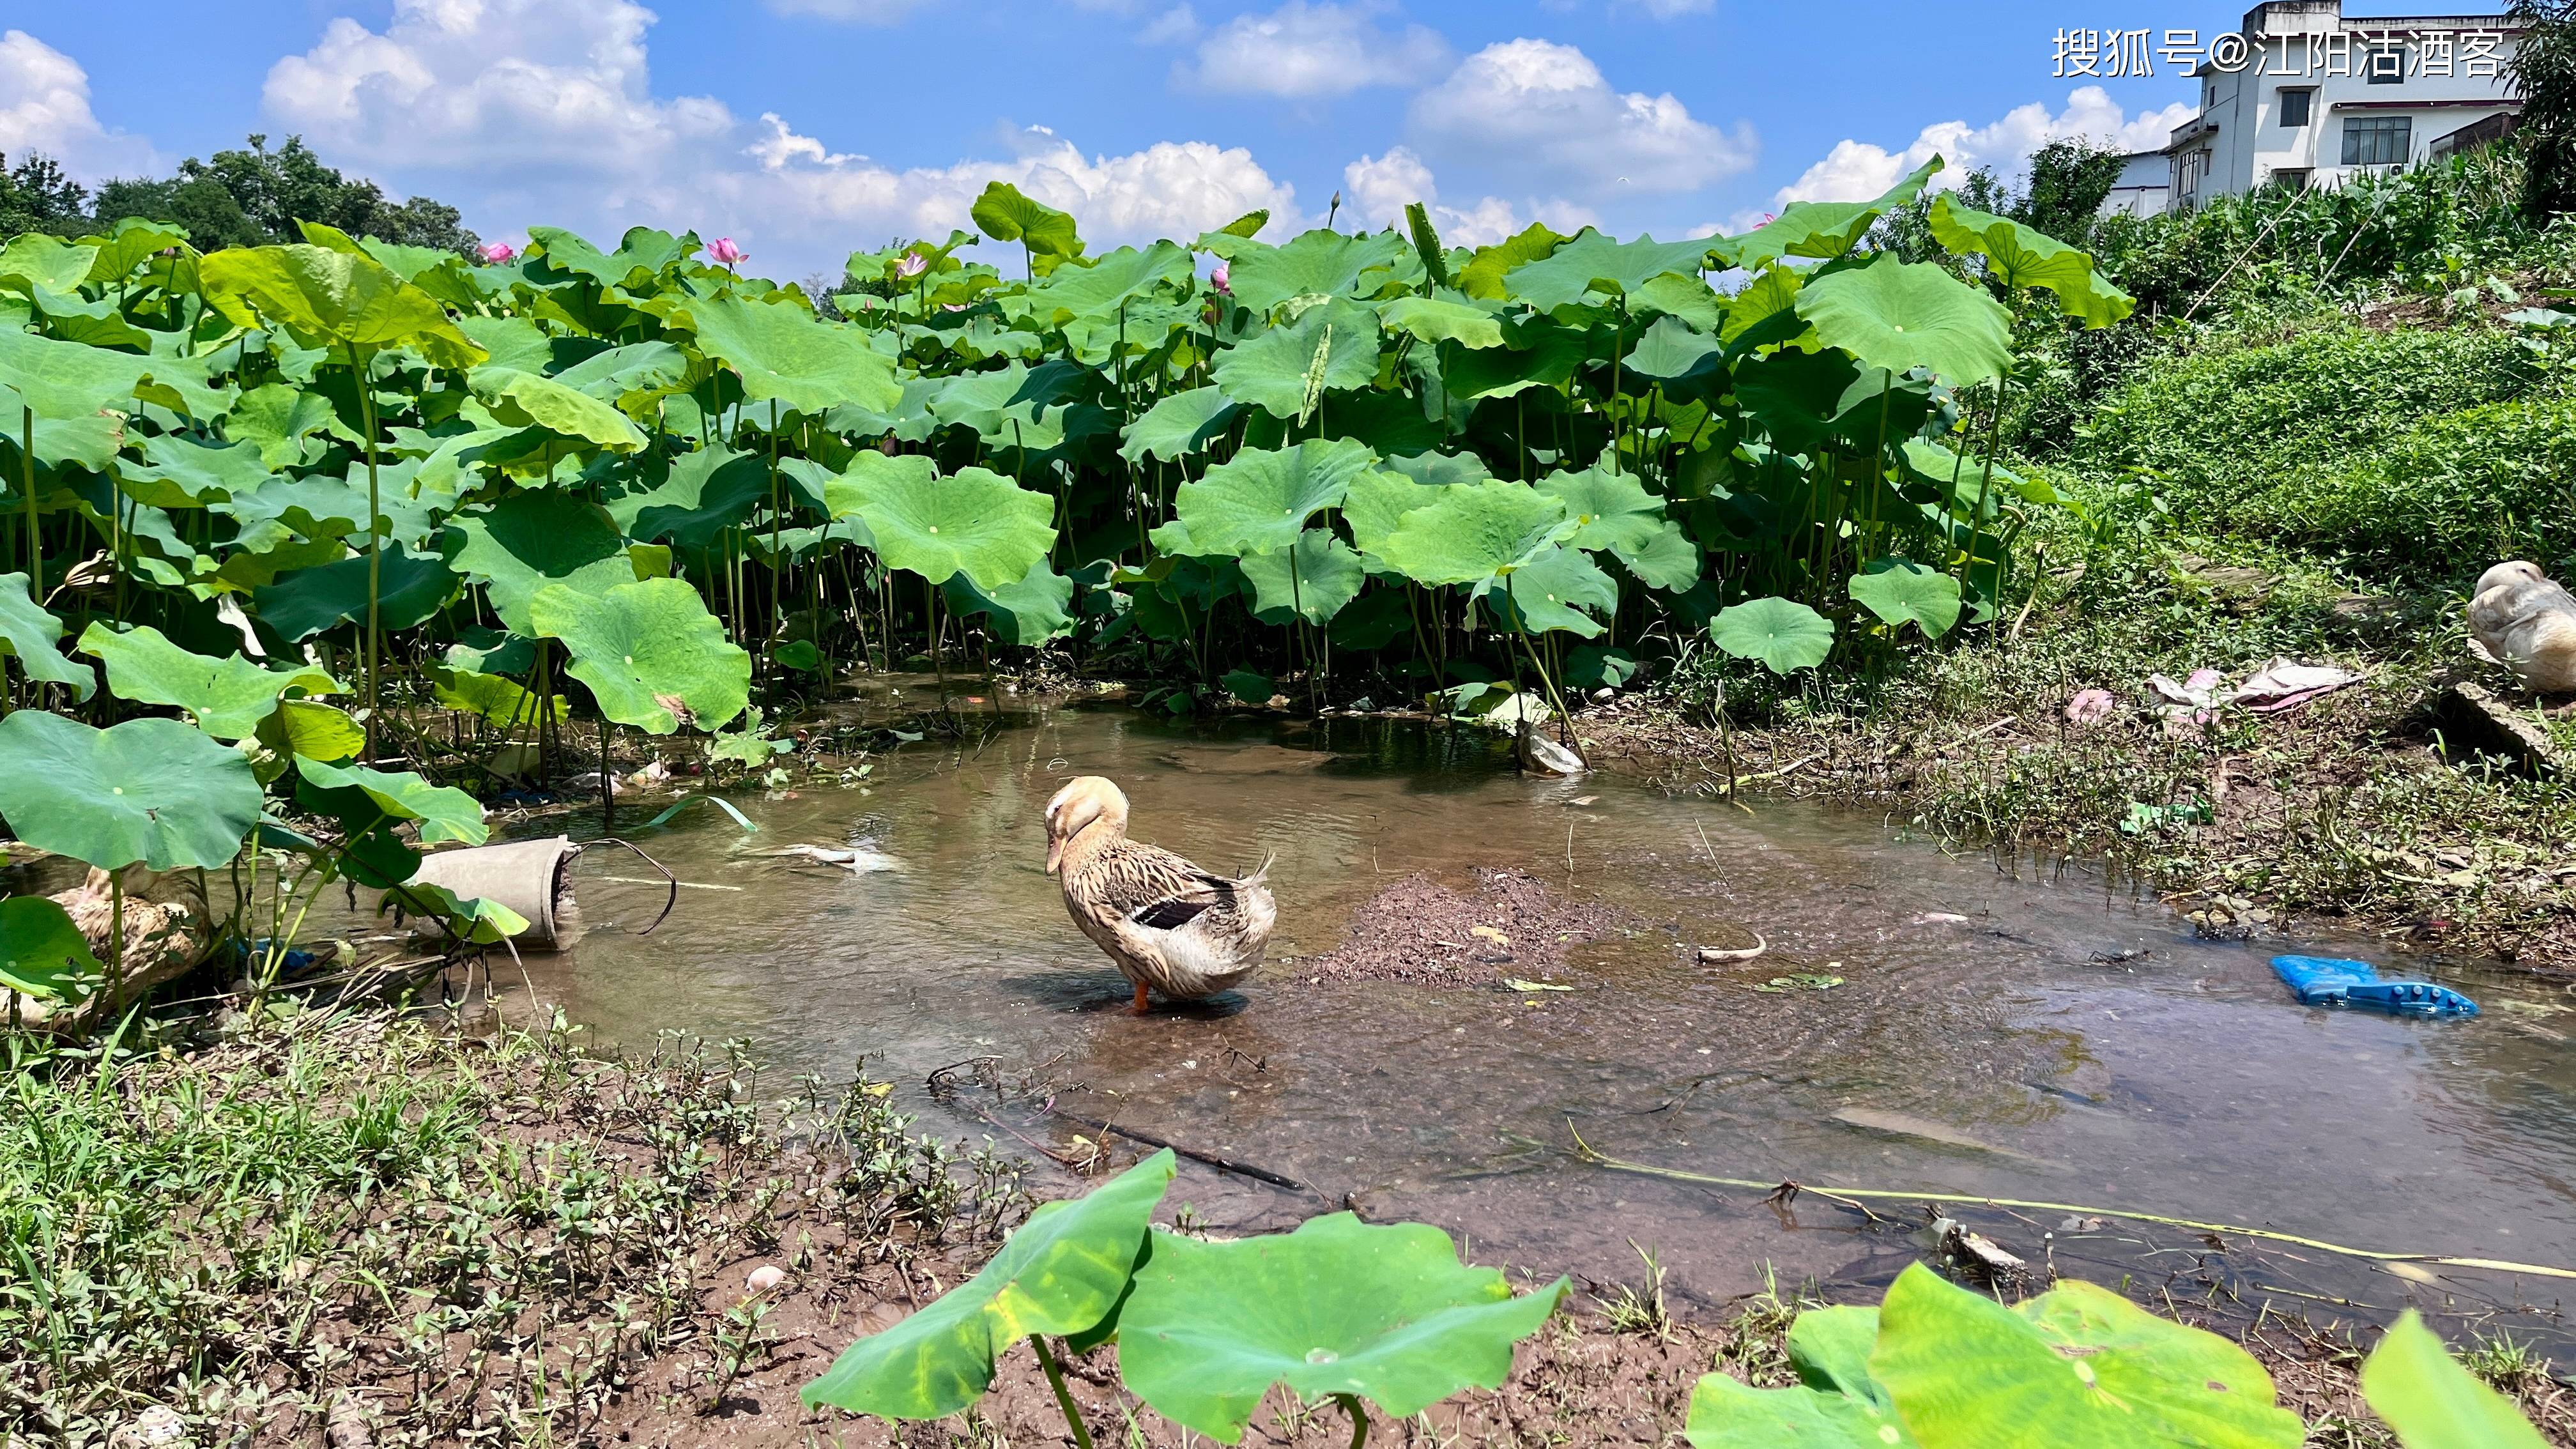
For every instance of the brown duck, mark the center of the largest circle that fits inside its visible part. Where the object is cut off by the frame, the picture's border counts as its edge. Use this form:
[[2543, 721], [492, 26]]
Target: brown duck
[[1169, 925]]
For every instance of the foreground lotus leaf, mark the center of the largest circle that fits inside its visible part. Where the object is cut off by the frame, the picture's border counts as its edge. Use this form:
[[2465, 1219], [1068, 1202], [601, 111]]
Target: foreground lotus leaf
[[444, 813], [149, 790], [529, 541], [525, 399], [29, 633], [1311, 579], [1061, 1273], [2021, 256], [1315, 263], [1261, 499], [782, 353], [2413, 1383], [332, 299], [308, 601], [1821, 228], [652, 655], [1004, 213], [973, 521], [1180, 424], [1785, 635], [1287, 370], [41, 952], [1726, 1413], [1383, 1313], [1591, 262], [229, 697], [1615, 514], [1471, 532], [1549, 592], [1027, 613], [1903, 315], [2078, 1367], [1900, 591]]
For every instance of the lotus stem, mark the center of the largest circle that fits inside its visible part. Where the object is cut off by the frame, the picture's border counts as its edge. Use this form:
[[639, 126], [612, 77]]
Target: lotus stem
[[27, 471], [1359, 1418], [1063, 1395]]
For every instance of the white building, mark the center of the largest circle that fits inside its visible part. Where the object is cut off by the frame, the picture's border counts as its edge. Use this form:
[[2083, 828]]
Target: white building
[[2305, 96]]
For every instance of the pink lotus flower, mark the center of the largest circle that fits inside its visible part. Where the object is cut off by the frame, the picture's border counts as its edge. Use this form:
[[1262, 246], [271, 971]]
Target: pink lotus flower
[[2090, 706], [1221, 279], [723, 252], [495, 253], [912, 265]]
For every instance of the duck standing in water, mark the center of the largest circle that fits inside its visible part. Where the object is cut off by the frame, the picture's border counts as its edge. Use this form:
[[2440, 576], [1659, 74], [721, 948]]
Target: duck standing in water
[[1169, 925]]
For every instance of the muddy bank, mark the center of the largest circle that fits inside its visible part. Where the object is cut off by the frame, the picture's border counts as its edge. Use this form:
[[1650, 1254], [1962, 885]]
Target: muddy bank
[[1514, 926]]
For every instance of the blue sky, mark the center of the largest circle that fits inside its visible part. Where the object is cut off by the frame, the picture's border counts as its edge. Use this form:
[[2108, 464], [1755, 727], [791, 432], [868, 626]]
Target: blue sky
[[807, 128]]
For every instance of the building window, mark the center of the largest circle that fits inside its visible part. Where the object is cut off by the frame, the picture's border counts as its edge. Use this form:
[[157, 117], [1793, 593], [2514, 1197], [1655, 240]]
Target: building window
[[2294, 108], [2377, 140], [2385, 65], [2291, 178]]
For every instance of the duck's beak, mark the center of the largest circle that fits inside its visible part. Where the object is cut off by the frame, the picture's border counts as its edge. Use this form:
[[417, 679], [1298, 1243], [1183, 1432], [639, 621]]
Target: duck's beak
[[1055, 855]]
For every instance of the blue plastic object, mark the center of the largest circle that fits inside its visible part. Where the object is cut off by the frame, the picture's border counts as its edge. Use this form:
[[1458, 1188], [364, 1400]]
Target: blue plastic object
[[2333, 981]]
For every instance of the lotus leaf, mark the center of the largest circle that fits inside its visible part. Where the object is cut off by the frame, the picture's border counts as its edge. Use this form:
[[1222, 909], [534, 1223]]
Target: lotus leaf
[[334, 299], [481, 922], [1671, 351], [650, 652], [1727, 1414], [277, 419], [973, 521], [701, 494], [1062, 1272], [781, 352], [514, 343], [42, 953], [89, 441], [1900, 592], [70, 380], [495, 697], [2079, 1367], [1004, 214], [1261, 499], [1248, 687], [2414, 1384], [1316, 263], [1822, 228], [2019, 256], [530, 540], [44, 261], [1785, 635], [1027, 613], [1471, 532], [28, 632], [307, 727], [1549, 591], [1902, 315], [643, 252], [1311, 579], [1385, 1313], [1615, 514], [1547, 361], [1591, 262], [229, 697], [149, 790], [308, 601], [1287, 370], [1378, 501], [178, 471], [614, 372], [1100, 287], [1180, 424], [444, 813], [525, 399], [1435, 320], [1484, 272]]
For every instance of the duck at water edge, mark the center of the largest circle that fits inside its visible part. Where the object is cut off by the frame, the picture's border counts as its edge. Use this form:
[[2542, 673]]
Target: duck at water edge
[[1170, 926]]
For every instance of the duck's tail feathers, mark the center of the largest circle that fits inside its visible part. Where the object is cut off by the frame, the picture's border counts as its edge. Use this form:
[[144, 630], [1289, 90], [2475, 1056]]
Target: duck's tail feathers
[[1261, 876]]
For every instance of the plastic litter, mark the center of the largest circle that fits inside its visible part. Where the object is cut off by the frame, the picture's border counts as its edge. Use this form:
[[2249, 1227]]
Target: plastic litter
[[2334, 981]]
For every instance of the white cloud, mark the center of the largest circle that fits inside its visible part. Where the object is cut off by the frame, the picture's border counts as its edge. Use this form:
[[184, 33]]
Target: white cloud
[[1380, 187], [1176, 26], [525, 111], [1544, 112], [863, 12], [1858, 170], [1304, 49], [44, 107]]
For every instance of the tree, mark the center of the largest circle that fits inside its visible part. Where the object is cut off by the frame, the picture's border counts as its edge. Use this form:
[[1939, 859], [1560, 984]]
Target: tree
[[2069, 181], [2543, 73], [254, 196], [35, 195]]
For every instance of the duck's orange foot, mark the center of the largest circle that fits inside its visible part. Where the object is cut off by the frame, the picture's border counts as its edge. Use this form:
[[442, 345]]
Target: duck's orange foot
[[1141, 1006]]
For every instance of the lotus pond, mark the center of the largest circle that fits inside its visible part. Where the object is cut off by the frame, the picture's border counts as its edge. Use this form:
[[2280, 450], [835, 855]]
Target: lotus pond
[[2066, 1043]]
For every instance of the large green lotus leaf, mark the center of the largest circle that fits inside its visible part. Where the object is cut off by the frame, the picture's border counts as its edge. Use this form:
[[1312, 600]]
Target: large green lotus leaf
[[510, 342], [1830, 1349], [1547, 358], [781, 352], [319, 507], [1900, 315], [1062, 1272], [1591, 262], [973, 521], [1004, 214], [149, 790], [307, 727], [1727, 1414], [129, 244], [92, 441], [1180, 424], [2020, 256], [1287, 370], [1436, 467], [643, 253], [277, 419], [444, 813], [1684, 299], [1020, 407], [28, 632], [332, 298], [1315, 263], [495, 697], [1672, 353], [67, 380], [45, 261], [1900, 592], [1821, 228], [1550, 593], [1785, 635], [178, 471], [527, 400], [1098, 288], [1484, 272], [42, 953], [74, 318], [1434, 320], [1388, 421], [1386, 1313], [1325, 575], [1378, 501], [614, 372], [2414, 1384], [1773, 293], [1471, 532], [1616, 515], [1027, 613], [308, 601], [2079, 1367], [702, 494], [530, 540], [1262, 498], [229, 697], [652, 655]]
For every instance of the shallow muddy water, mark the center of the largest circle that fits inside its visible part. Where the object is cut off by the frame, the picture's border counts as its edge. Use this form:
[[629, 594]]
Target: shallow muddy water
[[2024, 1053]]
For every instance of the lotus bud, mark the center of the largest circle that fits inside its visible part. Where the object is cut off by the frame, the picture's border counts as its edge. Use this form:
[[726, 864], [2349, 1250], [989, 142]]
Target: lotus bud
[[1222, 280], [495, 253], [723, 252], [912, 265]]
